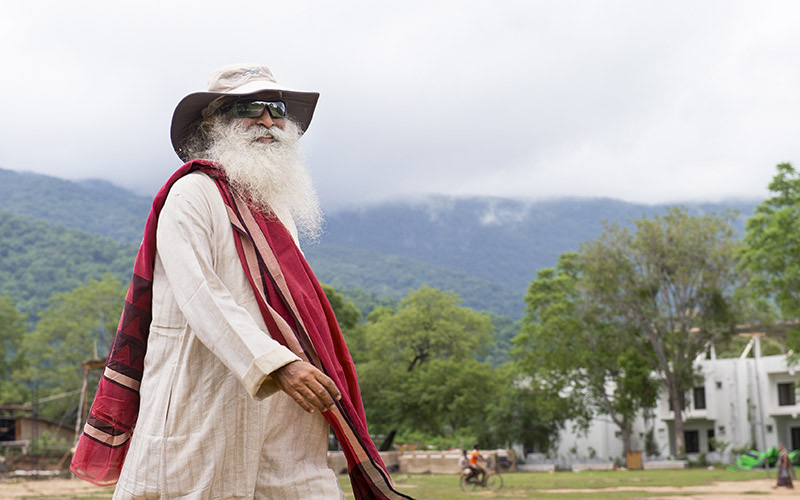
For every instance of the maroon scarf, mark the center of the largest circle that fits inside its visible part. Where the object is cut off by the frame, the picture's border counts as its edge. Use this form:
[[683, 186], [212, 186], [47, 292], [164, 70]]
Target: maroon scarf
[[297, 314]]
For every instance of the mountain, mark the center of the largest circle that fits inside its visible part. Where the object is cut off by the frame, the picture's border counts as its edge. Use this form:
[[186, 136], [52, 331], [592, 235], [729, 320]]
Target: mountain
[[502, 241], [93, 206], [486, 249]]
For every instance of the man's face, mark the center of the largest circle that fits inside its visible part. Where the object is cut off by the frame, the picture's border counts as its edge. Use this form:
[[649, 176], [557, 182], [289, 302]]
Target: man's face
[[254, 112], [265, 120]]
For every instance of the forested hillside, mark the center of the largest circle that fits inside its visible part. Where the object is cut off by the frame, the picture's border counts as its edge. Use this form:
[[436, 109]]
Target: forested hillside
[[93, 206], [38, 260], [393, 276]]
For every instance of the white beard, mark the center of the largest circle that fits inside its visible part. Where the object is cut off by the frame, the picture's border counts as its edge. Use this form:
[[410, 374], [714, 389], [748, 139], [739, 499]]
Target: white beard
[[271, 176]]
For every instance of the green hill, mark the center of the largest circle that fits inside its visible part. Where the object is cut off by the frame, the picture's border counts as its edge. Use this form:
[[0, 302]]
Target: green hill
[[93, 206], [38, 260]]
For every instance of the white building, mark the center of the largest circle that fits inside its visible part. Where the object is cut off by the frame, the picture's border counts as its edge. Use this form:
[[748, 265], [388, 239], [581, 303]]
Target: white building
[[747, 401]]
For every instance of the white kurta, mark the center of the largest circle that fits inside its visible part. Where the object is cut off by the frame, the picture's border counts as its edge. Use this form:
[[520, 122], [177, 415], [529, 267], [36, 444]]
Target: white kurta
[[207, 428]]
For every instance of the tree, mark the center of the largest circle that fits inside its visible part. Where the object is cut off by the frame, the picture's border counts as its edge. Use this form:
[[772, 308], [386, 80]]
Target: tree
[[429, 324], [421, 373], [566, 341], [671, 283], [12, 331], [771, 247], [77, 326], [350, 321]]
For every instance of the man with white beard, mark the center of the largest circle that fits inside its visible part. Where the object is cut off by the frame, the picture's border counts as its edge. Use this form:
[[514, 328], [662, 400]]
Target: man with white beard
[[228, 360]]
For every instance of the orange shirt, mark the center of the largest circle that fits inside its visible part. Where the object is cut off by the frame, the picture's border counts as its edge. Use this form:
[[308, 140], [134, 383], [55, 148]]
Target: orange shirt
[[473, 458]]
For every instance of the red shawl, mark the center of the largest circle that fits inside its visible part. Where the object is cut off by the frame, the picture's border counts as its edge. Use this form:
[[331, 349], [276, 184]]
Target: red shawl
[[297, 314]]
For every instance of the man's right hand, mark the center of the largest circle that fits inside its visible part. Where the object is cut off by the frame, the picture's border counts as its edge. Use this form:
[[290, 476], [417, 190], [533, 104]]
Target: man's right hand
[[307, 385]]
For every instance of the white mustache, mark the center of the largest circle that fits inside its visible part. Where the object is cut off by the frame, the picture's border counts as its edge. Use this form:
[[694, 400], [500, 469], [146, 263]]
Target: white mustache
[[255, 133]]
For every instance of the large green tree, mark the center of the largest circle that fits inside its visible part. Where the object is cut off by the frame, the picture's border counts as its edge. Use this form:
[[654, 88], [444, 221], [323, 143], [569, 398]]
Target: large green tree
[[567, 341], [770, 252], [669, 279], [77, 326], [420, 373]]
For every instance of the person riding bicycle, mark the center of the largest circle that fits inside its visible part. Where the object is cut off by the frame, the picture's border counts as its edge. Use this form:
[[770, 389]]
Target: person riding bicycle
[[463, 464], [474, 459]]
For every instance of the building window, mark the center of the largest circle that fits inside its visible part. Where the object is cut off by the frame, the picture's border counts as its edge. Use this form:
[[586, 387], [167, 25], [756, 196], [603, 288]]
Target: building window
[[692, 440], [710, 436], [7, 429], [699, 398], [795, 431], [786, 394]]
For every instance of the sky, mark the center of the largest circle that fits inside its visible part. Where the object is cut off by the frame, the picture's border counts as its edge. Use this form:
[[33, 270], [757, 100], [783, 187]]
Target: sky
[[639, 100]]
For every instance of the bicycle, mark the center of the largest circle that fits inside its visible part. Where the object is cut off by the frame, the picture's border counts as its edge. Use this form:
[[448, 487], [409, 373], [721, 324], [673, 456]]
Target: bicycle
[[492, 481]]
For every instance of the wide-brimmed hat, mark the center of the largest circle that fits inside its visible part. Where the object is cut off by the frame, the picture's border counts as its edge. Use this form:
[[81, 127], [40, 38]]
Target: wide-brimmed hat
[[239, 80]]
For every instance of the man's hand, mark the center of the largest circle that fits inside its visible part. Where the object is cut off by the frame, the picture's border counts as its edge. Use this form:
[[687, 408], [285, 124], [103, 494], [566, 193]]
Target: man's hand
[[308, 386]]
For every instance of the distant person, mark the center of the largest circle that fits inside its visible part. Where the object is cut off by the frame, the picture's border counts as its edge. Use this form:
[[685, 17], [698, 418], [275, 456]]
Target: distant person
[[463, 464], [785, 468], [474, 462], [228, 359]]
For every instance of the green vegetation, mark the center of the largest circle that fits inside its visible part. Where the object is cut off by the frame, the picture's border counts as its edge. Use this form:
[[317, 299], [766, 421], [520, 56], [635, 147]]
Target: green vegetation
[[771, 251], [38, 260], [568, 343], [393, 277], [92, 206]]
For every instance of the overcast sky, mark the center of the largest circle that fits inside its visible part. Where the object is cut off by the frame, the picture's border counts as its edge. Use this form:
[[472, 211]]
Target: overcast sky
[[645, 101]]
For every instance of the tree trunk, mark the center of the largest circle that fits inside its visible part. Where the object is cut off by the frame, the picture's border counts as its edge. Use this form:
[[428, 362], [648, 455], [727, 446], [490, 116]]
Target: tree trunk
[[626, 439], [677, 408]]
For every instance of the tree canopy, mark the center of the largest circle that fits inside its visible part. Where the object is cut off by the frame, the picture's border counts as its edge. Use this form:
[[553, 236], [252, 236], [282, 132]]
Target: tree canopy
[[670, 281], [771, 248], [567, 342]]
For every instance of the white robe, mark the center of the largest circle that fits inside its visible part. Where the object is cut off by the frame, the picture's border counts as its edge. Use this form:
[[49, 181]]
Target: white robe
[[212, 424]]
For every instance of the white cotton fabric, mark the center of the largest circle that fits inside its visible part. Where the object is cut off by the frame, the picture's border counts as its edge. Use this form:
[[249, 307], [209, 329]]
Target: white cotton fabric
[[212, 424]]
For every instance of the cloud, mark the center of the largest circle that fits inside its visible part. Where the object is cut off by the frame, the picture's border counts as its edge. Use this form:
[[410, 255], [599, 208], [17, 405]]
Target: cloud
[[638, 100]]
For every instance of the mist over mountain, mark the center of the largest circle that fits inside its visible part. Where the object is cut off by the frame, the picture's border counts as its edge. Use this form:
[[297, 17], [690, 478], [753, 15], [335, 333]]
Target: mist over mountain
[[485, 249], [500, 240]]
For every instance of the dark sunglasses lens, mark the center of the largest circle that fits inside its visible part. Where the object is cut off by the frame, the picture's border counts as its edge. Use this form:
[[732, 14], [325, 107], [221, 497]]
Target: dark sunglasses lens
[[254, 109], [277, 109], [247, 109]]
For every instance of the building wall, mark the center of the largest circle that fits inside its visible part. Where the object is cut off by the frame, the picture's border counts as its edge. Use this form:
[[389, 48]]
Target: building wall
[[26, 427], [742, 408]]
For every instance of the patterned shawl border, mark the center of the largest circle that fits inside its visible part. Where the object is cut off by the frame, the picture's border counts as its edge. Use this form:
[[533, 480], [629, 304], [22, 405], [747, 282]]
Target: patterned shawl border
[[120, 379], [269, 267], [111, 440], [251, 260]]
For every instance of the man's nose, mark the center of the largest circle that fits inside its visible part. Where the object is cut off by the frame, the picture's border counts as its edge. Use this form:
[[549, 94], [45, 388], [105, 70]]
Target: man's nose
[[265, 119]]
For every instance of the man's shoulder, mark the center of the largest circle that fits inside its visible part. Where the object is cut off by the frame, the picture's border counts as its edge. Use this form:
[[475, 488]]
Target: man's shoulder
[[195, 192], [194, 185], [195, 180]]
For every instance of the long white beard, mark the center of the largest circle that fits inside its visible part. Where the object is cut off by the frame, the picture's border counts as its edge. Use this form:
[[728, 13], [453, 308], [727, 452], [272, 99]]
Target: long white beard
[[271, 176]]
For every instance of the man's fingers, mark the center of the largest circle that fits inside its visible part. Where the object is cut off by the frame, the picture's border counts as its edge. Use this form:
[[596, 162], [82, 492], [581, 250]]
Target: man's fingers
[[307, 385]]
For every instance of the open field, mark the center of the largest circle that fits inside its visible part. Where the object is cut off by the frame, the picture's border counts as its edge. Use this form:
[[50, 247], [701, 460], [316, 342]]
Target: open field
[[617, 485]]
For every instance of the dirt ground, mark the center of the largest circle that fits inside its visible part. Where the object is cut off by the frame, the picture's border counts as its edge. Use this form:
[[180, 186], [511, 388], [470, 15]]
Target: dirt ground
[[20, 488], [761, 489]]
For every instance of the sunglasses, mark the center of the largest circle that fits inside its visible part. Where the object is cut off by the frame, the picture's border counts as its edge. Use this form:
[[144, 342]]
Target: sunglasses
[[253, 108]]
